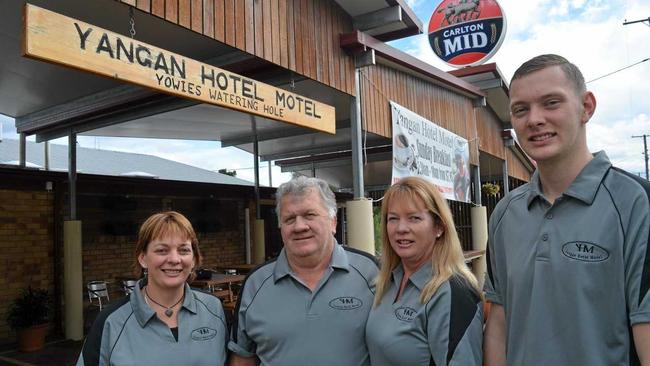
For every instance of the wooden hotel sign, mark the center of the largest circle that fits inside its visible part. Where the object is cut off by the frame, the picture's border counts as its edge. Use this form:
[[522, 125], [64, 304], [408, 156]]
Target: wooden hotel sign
[[55, 38]]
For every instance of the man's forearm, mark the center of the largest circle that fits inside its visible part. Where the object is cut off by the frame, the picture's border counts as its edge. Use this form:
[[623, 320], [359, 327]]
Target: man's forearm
[[642, 342], [494, 339], [236, 360]]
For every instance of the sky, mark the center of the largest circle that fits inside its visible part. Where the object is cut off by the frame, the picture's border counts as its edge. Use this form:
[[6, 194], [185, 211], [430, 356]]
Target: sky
[[587, 32], [590, 34]]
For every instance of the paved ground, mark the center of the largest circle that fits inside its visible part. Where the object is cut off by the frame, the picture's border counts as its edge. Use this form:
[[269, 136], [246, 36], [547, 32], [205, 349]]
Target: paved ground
[[61, 353]]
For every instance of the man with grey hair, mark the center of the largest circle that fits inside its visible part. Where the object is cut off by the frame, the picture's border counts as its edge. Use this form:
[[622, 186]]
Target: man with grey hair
[[568, 255], [310, 304]]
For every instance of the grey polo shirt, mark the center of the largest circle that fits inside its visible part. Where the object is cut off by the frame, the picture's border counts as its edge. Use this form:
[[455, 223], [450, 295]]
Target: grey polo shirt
[[573, 276], [284, 323], [447, 330], [130, 333]]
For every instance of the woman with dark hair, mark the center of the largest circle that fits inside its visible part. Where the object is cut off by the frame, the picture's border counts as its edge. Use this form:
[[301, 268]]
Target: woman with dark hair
[[163, 321], [427, 308]]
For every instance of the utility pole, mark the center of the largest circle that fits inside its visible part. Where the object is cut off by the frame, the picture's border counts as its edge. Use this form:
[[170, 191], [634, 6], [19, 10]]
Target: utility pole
[[645, 152]]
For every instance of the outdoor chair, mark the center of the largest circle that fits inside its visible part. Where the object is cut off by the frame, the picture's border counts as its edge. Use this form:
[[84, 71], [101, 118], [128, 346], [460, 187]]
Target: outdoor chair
[[128, 286], [98, 291]]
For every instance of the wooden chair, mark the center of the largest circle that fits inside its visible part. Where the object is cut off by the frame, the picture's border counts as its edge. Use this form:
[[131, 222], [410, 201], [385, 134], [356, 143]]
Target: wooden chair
[[225, 295], [229, 307]]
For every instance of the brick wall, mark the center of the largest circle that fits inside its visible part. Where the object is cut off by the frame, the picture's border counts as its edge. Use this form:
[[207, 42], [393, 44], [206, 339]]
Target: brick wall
[[110, 222], [26, 247], [110, 257]]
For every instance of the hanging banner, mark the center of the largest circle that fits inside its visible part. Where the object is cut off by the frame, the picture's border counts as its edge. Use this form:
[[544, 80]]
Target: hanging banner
[[422, 148], [56, 38]]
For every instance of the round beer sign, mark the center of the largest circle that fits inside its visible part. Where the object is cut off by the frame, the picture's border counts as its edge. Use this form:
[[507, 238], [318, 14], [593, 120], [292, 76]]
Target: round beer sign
[[466, 32]]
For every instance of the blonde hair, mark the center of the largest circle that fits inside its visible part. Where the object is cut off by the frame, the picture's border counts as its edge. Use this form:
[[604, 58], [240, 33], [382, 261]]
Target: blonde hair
[[447, 258]]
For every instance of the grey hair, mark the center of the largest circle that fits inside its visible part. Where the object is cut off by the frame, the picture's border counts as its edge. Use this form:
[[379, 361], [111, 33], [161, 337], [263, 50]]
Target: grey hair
[[301, 186], [571, 71]]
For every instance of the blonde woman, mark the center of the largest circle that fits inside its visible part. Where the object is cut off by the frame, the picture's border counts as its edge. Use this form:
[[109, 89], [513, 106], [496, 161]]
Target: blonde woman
[[427, 308]]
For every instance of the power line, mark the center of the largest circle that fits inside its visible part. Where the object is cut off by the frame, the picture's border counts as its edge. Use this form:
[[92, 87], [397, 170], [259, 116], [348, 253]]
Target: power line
[[614, 72], [636, 21]]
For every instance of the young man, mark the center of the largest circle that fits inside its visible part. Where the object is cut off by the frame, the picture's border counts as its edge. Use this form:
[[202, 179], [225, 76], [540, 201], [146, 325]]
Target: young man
[[311, 304], [568, 256]]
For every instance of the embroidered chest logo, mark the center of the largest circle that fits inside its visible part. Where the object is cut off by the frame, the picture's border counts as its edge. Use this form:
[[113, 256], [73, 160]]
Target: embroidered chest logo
[[203, 334], [585, 251], [345, 303], [405, 314]]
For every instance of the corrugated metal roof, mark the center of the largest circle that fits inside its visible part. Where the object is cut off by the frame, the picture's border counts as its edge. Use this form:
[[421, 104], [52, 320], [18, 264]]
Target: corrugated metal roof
[[105, 162]]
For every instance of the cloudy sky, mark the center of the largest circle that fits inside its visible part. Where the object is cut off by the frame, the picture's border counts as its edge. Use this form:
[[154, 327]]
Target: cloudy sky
[[591, 34], [588, 33]]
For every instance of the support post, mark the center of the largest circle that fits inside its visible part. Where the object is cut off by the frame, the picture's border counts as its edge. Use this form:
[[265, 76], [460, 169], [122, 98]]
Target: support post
[[72, 280], [259, 255], [479, 241], [360, 225], [22, 150], [355, 128], [477, 184], [72, 174], [247, 225], [506, 182], [259, 250], [46, 155], [256, 169]]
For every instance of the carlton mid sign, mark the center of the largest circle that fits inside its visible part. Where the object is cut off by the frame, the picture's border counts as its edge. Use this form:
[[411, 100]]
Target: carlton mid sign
[[56, 38], [466, 32]]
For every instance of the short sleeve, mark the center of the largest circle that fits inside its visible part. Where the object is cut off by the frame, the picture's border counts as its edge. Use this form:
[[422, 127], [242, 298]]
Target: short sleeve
[[91, 352], [637, 262], [223, 357], [492, 286], [240, 343], [455, 325]]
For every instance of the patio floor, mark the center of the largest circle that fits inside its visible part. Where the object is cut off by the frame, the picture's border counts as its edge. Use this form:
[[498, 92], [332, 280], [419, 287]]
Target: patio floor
[[59, 353]]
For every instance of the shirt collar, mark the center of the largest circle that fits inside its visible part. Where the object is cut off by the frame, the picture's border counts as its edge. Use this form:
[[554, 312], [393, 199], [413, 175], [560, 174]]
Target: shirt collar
[[143, 313], [420, 278], [339, 260], [584, 187], [534, 189]]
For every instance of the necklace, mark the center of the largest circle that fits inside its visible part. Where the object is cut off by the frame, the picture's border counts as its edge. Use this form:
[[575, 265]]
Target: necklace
[[168, 310]]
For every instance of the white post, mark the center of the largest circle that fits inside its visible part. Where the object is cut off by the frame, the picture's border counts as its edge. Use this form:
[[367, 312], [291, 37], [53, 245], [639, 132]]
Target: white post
[[360, 226], [479, 239]]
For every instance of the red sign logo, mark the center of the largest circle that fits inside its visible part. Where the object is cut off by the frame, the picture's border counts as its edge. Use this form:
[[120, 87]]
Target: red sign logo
[[466, 32]]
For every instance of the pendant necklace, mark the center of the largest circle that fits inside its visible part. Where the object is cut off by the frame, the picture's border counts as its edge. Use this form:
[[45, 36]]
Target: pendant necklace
[[168, 310]]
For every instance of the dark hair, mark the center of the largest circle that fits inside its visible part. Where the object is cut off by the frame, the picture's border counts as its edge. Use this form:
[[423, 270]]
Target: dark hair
[[540, 62], [160, 225]]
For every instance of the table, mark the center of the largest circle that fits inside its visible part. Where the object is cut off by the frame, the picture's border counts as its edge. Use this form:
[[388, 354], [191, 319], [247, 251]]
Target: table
[[240, 268], [218, 280]]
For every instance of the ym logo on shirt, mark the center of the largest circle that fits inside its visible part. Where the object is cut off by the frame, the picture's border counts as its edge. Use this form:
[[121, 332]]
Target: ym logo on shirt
[[346, 303], [203, 334], [585, 251], [405, 314]]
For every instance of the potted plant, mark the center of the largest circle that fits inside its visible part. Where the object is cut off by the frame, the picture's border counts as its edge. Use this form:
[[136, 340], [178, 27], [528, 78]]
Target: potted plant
[[490, 189], [28, 315]]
